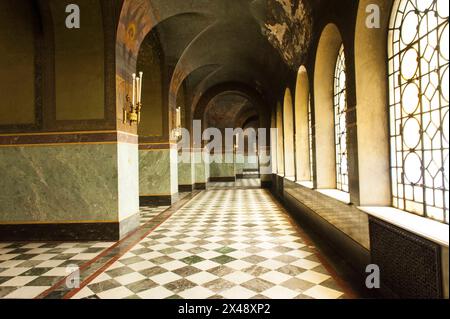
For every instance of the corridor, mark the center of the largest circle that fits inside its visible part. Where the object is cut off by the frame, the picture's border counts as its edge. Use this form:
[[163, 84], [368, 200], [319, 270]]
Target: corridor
[[173, 149], [227, 242]]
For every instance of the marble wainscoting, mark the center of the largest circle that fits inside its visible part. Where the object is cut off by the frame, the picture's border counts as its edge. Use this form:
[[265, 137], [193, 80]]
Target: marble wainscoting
[[68, 191], [220, 168], [158, 176], [239, 163], [201, 168], [186, 172], [265, 167]]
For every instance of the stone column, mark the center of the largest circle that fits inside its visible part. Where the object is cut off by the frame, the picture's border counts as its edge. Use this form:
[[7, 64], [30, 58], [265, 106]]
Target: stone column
[[222, 167], [186, 171], [201, 168], [158, 173], [265, 166], [239, 163]]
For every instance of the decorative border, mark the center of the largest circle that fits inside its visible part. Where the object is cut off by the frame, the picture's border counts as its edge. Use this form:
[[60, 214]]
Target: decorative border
[[63, 138]]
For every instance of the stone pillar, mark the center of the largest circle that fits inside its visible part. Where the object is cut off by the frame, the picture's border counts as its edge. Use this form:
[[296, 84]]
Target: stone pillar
[[222, 167], [186, 171], [239, 163], [68, 186], [201, 168], [158, 173], [265, 166]]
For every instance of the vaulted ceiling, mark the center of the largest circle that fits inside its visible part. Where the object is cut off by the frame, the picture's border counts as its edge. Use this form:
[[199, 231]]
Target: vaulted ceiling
[[233, 44]]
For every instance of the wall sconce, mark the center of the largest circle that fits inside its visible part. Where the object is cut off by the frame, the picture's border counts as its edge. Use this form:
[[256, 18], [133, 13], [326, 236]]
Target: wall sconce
[[132, 109]]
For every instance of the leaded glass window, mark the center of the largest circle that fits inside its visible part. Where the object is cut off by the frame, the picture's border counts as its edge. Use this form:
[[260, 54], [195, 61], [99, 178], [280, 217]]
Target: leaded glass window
[[340, 122], [418, 106]]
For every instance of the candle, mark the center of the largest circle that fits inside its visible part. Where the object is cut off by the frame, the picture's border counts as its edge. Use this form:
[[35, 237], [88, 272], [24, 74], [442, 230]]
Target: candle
[[141, 75], [178, 117], [138, 84], [134, 88]]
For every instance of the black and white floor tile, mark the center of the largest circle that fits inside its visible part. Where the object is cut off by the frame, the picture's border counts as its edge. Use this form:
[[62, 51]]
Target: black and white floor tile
[[29, 269], [242, 183], [150, 212], [223, 244]]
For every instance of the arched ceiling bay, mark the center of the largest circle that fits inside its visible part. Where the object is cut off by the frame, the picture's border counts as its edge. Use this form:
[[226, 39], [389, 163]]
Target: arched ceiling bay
[[226, 110]]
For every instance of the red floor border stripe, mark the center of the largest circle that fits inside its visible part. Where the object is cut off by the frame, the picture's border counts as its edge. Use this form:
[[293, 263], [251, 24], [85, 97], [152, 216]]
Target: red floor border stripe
[[116, 257]]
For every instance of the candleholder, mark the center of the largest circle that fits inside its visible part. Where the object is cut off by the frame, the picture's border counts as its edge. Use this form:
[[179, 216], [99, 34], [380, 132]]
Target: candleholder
[[132, 109], [132, 112]]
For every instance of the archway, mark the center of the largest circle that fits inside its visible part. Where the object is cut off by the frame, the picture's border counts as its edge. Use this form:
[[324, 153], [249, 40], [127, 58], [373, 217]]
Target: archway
[[280, 140], [324, 71], [303, 129], [288, 121]]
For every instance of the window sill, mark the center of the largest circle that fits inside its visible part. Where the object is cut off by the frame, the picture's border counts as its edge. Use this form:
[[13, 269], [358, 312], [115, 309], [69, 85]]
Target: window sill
[[307, 184], [336, 194], [430, 229]]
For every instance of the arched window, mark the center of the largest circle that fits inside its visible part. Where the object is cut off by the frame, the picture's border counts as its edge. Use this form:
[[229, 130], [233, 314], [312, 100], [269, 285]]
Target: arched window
[[340, 122], [310, 138], [418, 102]]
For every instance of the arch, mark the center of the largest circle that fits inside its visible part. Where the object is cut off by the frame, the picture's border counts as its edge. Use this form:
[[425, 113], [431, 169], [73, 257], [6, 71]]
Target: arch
[[280, 140], [303, 127], [288, 129], [274, 143], [249, 92], [371, 110], [329, 44]]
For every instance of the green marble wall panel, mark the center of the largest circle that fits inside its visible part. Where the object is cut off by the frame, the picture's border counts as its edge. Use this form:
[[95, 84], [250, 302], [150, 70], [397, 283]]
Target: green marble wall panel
[[173, 153], [239, 161], [265, 164], [61, 183], [222, 166], [201, 167], [185, 170], [251, 162], [158, 173]]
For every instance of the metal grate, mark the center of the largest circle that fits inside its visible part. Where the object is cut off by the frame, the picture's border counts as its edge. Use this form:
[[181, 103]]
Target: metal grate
[[410, 266]]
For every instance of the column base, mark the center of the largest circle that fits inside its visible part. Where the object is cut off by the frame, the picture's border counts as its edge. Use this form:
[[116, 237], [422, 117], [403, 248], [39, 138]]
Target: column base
[[162, 200], [185, 188], [223, 179], [200, 186]]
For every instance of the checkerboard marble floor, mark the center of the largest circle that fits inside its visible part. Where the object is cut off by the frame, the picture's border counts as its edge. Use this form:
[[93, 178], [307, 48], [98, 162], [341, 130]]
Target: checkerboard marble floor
[[230, 243], [29, 269], [150, 212], [244, 183]]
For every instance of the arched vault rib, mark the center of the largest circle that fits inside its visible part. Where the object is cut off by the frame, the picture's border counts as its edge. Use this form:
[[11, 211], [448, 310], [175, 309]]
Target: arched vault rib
[[249, 92]]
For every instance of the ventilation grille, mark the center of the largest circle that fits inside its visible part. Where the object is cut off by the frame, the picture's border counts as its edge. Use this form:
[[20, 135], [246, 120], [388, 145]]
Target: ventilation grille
[[410, 266]]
